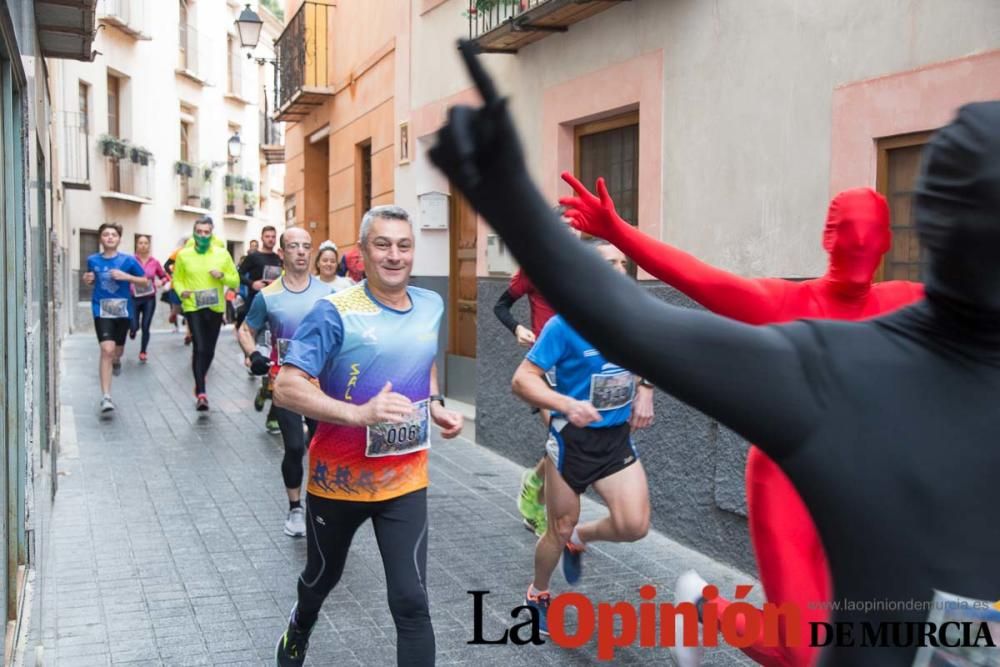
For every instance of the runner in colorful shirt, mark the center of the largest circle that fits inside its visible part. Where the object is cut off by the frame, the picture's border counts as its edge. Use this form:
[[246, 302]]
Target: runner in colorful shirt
[[282, 305], [144, 298], [112, 274], [373, 348]]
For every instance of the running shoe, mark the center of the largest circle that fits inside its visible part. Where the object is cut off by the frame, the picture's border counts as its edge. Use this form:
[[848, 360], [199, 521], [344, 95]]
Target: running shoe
[[272, 426], [292, 645], [527, 501], [116, 368], [143, 357], [107, 405], [295, 524], [131, 334], [201, 403], [688, 588], [172, 319], [572, 562], [259, 400], [187, 339], [541, 603]]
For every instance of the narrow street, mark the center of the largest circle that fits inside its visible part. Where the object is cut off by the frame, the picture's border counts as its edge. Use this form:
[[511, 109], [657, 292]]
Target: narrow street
[[165, 544]]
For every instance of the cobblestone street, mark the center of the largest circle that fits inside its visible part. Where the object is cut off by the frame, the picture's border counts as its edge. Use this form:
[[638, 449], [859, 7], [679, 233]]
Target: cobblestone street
[[165, 543]]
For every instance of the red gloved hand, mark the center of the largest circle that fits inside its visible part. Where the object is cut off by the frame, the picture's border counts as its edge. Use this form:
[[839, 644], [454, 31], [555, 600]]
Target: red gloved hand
[[589, 214]]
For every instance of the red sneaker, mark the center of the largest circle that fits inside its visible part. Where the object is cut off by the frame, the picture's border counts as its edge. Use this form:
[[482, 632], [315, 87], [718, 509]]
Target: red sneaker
[[201, 404]]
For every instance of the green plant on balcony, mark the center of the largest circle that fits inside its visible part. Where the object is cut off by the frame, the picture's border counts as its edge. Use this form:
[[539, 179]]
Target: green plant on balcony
[[184, 168], [477, 7], [249, 199], [247, 185], [207, 172], [230, 197], [206, 202], [229, 180], [112, 146], [140, 155]]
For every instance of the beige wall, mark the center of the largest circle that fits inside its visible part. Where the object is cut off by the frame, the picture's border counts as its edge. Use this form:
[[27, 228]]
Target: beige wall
[[152, 94], [746, 103]]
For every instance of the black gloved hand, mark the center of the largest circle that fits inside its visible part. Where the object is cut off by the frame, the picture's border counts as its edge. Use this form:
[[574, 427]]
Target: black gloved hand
[[478, 149], [259, 364]]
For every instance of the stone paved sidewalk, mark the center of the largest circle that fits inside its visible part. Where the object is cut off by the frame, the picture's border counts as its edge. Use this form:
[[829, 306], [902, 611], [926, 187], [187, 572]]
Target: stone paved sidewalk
[[165, 546]]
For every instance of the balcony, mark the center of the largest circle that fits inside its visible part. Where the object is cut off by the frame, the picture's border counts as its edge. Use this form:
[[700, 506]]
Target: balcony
[[75, 157], [272, 140], [128, 171], [241, 198], [193, 55], [504, 26], [126, 15], [303, 52], [194, 188]]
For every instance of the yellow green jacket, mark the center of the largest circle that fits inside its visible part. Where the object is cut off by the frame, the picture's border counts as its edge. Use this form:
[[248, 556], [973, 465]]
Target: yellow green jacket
[[191, 274]]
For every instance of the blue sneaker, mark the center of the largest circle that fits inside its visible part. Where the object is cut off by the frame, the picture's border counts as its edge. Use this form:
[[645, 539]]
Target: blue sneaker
[[541, 603], [572, 562]]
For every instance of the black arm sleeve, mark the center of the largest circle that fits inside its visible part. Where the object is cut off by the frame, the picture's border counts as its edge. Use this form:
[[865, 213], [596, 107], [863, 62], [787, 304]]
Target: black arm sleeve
[[752, 379], [502, 311], [244, 268]]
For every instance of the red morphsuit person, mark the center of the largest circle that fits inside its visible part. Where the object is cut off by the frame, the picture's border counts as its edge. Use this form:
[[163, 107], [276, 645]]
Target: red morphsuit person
[[789, 554]]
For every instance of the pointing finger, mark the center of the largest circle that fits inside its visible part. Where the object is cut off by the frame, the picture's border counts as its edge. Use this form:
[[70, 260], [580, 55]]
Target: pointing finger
[[476, 71]]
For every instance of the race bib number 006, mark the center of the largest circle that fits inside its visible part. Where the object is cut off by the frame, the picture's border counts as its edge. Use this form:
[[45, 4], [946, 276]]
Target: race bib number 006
[[608, 392], [114, 308], [407, 437]]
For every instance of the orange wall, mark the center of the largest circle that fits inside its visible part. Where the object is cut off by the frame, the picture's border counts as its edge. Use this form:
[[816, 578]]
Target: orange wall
[[363, 84]]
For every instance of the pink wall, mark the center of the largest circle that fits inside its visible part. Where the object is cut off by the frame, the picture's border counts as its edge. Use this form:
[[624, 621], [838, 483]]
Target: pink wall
[[625, 86], [922, 99]]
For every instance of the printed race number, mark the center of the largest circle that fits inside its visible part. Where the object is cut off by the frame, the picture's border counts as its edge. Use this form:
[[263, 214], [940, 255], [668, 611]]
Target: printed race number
[[206, 297], [608, 392], [386, 439], [147, 290], [114, 308]]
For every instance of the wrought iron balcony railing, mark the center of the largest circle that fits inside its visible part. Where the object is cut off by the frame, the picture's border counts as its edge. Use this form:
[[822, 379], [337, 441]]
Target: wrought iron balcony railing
[[76, 148], [193, 54], [303, 53], [126, 15], [504, 26], [131, 175]]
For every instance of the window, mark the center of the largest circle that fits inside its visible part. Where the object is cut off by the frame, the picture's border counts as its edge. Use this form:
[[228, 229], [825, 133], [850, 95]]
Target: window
[[610, 148], [364, 178], [898, 167], [84, 95], [90, 243], [232, 67], [114, 106], [190, 193]]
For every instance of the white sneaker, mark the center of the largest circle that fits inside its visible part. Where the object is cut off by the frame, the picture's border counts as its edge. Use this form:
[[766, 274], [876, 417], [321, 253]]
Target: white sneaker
[[687, 589], [107, 405], [295, 524]]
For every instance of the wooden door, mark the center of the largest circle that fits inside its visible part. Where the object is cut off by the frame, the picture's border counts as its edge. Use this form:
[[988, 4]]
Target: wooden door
[[462, 283]]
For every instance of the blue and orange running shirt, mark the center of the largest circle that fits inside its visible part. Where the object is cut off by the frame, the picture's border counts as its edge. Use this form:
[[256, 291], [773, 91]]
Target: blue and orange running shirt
[[353, 345], [283, 310]]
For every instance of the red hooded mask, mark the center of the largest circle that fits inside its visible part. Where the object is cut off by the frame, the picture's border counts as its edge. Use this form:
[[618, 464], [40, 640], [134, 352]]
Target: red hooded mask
[[856, 237]]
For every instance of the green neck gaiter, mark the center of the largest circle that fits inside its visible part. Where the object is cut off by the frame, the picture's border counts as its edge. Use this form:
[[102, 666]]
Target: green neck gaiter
[[202, 244]]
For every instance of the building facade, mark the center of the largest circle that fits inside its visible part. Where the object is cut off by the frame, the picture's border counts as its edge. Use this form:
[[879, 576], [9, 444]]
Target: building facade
[[34, 36], [170, 121], [720, 127]]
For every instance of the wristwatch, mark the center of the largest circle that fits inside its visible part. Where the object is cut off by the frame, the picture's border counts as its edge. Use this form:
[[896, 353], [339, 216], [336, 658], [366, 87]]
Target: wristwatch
[[437, 397], [646, 383]]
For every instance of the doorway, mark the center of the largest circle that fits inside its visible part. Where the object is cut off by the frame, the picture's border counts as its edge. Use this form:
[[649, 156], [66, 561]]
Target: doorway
[[460, 375]]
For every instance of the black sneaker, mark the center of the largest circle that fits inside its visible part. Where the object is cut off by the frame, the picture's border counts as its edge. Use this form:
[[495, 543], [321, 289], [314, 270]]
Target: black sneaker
[[292, 645]]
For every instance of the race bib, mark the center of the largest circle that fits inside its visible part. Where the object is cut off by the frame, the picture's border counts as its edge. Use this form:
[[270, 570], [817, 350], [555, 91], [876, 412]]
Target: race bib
[[206, 297], [403, 438], [145, 291], [283, 349], [608, 392], [114, 308], [271, 273]]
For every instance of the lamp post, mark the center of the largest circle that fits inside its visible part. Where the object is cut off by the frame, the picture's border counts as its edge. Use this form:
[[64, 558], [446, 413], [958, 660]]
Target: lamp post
[[248, 25]]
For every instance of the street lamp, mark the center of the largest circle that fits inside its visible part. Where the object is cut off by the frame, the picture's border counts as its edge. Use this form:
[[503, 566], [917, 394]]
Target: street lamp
[[248, 25], [235, 146]]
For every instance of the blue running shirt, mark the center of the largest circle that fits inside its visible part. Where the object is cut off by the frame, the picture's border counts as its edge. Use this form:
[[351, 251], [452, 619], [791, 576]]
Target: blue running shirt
[[112, 298]]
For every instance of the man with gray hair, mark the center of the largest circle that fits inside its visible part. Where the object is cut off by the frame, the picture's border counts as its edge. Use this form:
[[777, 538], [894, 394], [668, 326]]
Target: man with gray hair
[[372, 348]]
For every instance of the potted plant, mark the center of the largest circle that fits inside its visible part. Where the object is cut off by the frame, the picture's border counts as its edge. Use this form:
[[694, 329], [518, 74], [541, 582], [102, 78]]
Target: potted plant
[[108, 144], [229, 180], [206, 202], [230, 198], [248, 203], [140, 155], [182, 168], [206, 174], [247, 185]]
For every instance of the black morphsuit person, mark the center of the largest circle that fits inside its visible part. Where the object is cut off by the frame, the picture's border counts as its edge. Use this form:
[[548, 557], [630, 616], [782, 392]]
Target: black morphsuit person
[[888, 428]]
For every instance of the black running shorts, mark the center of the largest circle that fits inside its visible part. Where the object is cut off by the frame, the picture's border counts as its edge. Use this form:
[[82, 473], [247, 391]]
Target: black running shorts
[[585, 455], [112, 328]]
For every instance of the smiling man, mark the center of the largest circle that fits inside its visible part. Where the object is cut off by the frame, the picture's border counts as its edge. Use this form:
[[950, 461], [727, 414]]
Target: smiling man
[[372, 349]]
